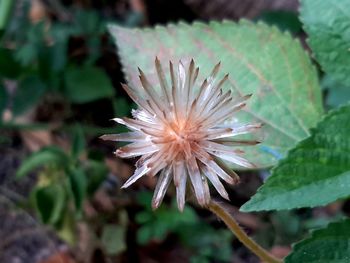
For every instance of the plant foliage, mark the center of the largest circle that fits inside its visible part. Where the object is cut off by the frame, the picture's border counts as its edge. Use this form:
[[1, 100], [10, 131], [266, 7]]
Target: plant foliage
[[327, 23], [260, 60], [329, 245], [316, 172]]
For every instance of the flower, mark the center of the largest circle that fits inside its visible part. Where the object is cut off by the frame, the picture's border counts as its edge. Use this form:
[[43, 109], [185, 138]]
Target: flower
[[181, 132]]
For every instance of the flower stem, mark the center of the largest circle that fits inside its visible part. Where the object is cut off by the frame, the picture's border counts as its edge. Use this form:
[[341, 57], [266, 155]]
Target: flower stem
[[232, 224]]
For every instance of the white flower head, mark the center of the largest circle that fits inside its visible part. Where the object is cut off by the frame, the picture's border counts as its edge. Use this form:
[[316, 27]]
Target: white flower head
[[179, 132]]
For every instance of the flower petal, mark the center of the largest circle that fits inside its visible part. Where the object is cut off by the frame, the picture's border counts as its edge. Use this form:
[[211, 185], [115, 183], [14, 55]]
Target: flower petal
[[197, 181], [181, 191], [136, 149], [213, 178], [139, 172], [207, 160], [162, 81], [234, 158], [124, 137], [161, 187]]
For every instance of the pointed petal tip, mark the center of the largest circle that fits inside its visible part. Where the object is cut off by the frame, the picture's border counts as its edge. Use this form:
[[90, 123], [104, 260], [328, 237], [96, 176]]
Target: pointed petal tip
[[124, 186], [104, 137], [248, 96], [142, 74], [155, 204], [118, 152], [257, 125], [236, 180], [116, 119], [225, 196], [181, 207], [252, 166], [203, 201]]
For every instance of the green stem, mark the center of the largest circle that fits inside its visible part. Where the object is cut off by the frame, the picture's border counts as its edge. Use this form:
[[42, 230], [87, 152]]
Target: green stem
[[5, 12], [232, 224]]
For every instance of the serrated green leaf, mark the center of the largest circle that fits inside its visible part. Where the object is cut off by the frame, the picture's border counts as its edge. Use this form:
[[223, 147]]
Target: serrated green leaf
[[329, 245], [87, 84], [30, 90], [316, 172], [260, 60], [50, 155], [50, 203], [327, 23], [113, 239]]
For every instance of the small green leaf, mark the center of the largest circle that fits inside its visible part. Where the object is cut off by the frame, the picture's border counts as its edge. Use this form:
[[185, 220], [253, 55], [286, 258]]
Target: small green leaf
[[316, 172], [113, 239], [285, 20], [121, 107], [329, 245], [50, 155], [88, 22], [78, 144], [6, 7], [26, 54], [58, 51], [86, 84], [50, 202], [30, 90], [327, 23], [9, 68], [3, 99], [66, 229], [78, 184], [337, 94], [260, 60], [157, 224], [144, 234], [96, 173]]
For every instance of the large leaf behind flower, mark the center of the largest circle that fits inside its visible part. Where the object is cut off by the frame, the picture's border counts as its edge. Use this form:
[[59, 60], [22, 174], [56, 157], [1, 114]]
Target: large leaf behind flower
[[260, 60], [316, 172]]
